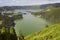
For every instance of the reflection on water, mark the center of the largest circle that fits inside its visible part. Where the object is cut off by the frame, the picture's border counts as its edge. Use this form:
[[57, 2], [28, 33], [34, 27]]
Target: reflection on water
[[30, 24]]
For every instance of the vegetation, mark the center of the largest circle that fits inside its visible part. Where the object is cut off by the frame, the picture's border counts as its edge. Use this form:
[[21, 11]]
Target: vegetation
[[6, 34], [50, 33], [7, 24], [50, 13], [20, 37]]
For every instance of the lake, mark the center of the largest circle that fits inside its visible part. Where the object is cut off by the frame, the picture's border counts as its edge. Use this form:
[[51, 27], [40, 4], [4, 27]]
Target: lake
[[30, 24]]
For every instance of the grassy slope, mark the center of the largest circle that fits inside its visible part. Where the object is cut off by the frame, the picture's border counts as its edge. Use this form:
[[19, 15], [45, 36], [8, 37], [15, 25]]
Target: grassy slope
[[52, 14], [50, 33]]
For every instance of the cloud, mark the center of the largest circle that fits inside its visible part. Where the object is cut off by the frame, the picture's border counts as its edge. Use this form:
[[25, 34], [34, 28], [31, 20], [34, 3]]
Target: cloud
[[25, 2]]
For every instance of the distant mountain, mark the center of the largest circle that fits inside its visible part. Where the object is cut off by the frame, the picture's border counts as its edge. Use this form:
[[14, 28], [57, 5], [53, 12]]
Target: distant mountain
[[21, 7], [46, 5], [32, 7]]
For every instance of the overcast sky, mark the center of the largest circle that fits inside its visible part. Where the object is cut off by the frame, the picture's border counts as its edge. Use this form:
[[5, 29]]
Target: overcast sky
[[25, 2]]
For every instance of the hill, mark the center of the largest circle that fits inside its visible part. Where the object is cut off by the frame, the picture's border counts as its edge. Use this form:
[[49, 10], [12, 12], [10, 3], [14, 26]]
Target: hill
[[50, 33], [50, 13], [31, 7], [52, 4]]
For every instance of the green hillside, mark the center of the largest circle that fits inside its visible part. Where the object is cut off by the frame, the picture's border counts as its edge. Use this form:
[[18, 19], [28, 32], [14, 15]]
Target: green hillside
[[53, 15], [50, 13], [50, 33]]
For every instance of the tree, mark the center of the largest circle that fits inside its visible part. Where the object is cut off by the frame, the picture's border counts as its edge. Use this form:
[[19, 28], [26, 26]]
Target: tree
[[13, 35], [3, 33], [0, 35]]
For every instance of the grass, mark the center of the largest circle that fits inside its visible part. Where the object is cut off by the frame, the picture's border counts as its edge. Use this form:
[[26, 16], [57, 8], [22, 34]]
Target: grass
[[50, 33]]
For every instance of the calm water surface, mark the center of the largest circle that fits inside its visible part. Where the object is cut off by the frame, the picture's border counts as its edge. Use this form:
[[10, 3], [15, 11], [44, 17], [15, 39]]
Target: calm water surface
[[30, 24]]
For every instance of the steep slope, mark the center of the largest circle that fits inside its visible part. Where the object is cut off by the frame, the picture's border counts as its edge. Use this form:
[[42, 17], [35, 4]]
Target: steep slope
[[53, 15], [50, 33], [50, 13]]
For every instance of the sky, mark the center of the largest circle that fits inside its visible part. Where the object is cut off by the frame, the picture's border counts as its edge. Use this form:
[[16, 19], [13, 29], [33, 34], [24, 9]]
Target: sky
[[25, 2]]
